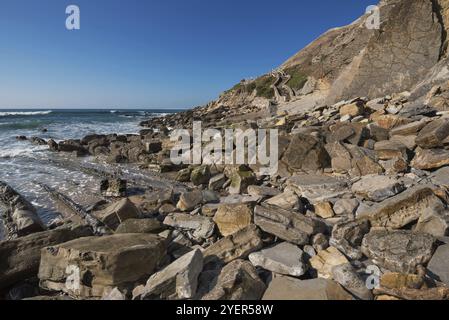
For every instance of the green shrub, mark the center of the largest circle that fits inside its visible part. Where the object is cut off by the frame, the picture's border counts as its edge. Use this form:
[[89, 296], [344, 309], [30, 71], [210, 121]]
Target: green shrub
[[298, 79]]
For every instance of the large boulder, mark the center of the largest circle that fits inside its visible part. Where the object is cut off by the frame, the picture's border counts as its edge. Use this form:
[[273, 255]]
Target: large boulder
[[99, 264], [306, 152]]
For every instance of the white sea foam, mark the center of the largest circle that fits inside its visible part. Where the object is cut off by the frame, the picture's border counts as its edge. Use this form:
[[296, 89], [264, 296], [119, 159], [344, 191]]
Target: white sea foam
[[24, 113]]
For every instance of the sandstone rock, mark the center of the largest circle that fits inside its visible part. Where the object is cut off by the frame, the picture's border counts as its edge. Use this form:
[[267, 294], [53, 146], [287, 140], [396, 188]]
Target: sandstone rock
[[428, 159], [202, 227], [21, 257], [399, 250], [116, 213], [200, 175], [113, 188], [400, 210], [102, 263], [232, 218], [189, 200], [346, 207], [438, 267], [347, 237], [408, 141], [237, 281], [353, 109], [287, 200], [346, 276], [284, 258], [287, 288], [394, 166], [235, 246], [433, 134], [325, 260], [287, 225], [389, 149], [395, 280], [140, 226], [306, 153], [179, 280], [324, 210], [434, 221], [377, 188], [409, 129]]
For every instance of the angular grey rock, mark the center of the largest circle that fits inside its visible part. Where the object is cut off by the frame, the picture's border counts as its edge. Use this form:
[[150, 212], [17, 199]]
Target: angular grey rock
[[346, 207], [237, 281], [235, 246], [378, 188], [409, 128], [346, 276], [189, 200], [117, 212], [441, 177], [21, 257], [102, 263], [438, 267], [140, 226], [284, 258], [287, 225], [317, 187], [287, 288], [347, 237], [262, 191], [402, 209], [179, 280], [433, 134], [398, 250], [287, 200], [114, 295], [202, 227], [429, 159], [434, 221]]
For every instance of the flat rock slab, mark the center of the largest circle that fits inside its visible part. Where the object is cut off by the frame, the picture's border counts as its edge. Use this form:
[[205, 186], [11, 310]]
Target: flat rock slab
[[317, 187], [101, 263], [287, 288], [203, 227], [179, 280], [235, 246], [398, 250], [287, 225], [140, 226], [402, 209], [284, 258], [20, 257], [429, 159], [377, 188], [433, 134], [438, 267]]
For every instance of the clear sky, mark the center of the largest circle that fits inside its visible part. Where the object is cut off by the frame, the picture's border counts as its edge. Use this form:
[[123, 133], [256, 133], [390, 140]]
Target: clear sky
[[148, 53]]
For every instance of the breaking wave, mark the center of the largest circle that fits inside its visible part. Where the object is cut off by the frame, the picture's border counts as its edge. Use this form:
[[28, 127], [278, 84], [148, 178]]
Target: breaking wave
[[24, 113]]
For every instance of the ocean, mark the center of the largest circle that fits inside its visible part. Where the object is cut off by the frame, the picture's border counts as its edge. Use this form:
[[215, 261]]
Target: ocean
[[22, 164]]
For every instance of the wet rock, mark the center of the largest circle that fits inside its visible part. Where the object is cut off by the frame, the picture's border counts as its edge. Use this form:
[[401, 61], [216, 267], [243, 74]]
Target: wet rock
[[428, 159], [22, 255], [235, 246], [140, 226], [346, 276], [287, 225], [189, 200], [202, 227], [284, 258], [306, 152], [347, 237], [102, 263], [398, 250], [438, 267], [200, 175], [400, 210], [232, 218], [377, 188], [325, 260], [237, 281], [38, 141], [179, 280], [116, 213], [113, 188], [53, 145], [287, 288], [433, 134]]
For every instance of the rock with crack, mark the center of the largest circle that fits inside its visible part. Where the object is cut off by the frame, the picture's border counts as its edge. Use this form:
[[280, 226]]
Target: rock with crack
[[235, 246], [402, 209], [346, 276], [317, 187], [237, 281], [116, 213], [433, 134], [377, 188], [409, 129], [390, 149], [398, 250], [179, 280], [287, 225], [231, 218], [21, 257], [438, 267], [284, 258], [202, 227], [100, 263], [429, 159], [325, 260], [287, 288], [347, 236]]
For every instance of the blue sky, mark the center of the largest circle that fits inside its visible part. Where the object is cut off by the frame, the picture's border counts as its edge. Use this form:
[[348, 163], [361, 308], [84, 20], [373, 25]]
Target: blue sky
[[148, 53]]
